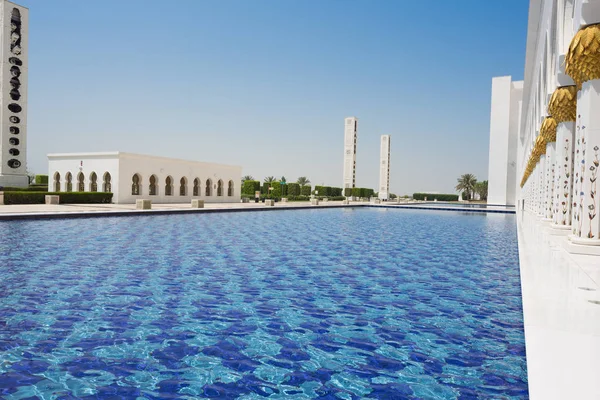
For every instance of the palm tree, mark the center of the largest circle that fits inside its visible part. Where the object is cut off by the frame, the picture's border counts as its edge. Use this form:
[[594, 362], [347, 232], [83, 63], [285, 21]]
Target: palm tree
[[466, 183], [269, 179], [247, 178], [303, 181], [481, 188]]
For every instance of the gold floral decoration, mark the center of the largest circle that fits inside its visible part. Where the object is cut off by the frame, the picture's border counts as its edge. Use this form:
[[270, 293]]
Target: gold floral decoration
[[563, 104], [582, 61]]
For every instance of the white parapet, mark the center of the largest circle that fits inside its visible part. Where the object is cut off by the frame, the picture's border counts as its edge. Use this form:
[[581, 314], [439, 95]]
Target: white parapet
[[1, 198], [143, 204], [52, 199], [197, 203], [314, 202], [269, 203]]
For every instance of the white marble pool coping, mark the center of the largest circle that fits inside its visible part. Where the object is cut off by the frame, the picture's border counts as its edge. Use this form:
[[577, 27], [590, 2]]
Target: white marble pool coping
[[562, 322], [32, 211]]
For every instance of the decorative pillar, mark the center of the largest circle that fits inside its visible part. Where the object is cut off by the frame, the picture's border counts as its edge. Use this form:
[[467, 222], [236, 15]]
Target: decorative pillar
[[541, 185], [562, 107], [582, 64]]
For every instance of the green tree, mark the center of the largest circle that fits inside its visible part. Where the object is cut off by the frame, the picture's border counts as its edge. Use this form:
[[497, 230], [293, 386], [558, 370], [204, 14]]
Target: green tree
[[303, 181], [481, 188], [466, 183], [247, 178], [269, 179]]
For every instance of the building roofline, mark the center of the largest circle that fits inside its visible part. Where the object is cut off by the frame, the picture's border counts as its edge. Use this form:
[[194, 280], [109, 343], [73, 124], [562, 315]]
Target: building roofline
[[119, 154]]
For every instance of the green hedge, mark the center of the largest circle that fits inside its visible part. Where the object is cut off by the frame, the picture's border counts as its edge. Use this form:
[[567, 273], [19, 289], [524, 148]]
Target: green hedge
[[249, 187], [435, 196], [305, 190], [293, 189], [23, 197], [299, 198], [33, 188], [41, 179], [347, 192]]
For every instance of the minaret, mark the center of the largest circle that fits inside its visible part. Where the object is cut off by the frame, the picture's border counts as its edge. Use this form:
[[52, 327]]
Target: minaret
[[384, 167], [350, 129], [13, 100]]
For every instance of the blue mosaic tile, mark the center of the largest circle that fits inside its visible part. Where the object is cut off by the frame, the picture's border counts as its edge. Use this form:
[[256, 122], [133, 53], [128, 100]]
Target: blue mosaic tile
[[332, 304]]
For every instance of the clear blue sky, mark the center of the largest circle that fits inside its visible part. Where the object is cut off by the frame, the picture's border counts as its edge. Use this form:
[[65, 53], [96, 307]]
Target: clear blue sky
[[266, 84]]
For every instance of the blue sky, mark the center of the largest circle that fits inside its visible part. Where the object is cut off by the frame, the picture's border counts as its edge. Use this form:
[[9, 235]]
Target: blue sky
[[266, 84]]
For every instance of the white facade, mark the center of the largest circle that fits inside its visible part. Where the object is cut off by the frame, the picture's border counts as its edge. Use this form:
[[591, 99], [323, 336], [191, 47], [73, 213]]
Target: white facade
[[135, 176], [350, 137], [504, 130], [13, 96], [562, 90], [384, 167]]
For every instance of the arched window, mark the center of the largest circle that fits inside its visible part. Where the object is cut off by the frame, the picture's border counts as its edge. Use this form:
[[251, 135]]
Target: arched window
[[135, 185], [56, 182], [208, 187], [183, 187], [230, 189], [93, 182], [106, 185], [153, 186], [220, 188], [196, 190], [69, 182], [169, 186], [80, 183]]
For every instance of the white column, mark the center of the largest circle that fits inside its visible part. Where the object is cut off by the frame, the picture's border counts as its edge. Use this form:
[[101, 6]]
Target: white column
[[577, 202], [549, 184], [563, 187], [588, 126], [542, 186]]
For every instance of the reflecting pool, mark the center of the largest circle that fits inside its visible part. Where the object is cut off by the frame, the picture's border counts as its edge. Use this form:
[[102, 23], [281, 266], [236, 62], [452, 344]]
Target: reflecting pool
[[340, 304]]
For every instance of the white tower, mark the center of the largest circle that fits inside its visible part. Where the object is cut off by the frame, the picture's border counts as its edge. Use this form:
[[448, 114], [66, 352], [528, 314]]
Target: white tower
[[384, 167], [13, 95], [350, 129]]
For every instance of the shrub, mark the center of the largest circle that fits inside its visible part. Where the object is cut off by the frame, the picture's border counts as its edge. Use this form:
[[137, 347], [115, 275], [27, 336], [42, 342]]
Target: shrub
[[337, 198], [24, 197], [293, 189], [347, 192], [33, 188], [305, 190], [298, 198], [324, 191], [41, 179], [265, 188], [336, 192], [276, 192], [249, 187], [434, 196], [355, 192]]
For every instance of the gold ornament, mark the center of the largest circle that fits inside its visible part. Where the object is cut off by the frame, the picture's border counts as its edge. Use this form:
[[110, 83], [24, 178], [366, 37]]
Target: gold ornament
[[563, 104], [548, 130], [582, 61]]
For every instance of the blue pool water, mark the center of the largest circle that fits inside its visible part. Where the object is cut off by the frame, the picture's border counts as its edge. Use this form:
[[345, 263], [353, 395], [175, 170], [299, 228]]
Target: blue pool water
[[332, 304]]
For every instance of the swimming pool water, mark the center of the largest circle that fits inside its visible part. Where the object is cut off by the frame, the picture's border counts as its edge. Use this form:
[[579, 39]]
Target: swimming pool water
[[333, 304]]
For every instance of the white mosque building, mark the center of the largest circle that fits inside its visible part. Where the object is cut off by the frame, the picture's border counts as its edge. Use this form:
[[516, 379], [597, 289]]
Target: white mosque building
[[135, 176], [545, 131]]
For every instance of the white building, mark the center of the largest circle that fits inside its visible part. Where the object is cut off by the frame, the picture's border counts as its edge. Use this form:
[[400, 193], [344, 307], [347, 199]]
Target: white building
[[384, 167], [559, 133], [13, 96], [507, 98], [350, 136], [134, 176]]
